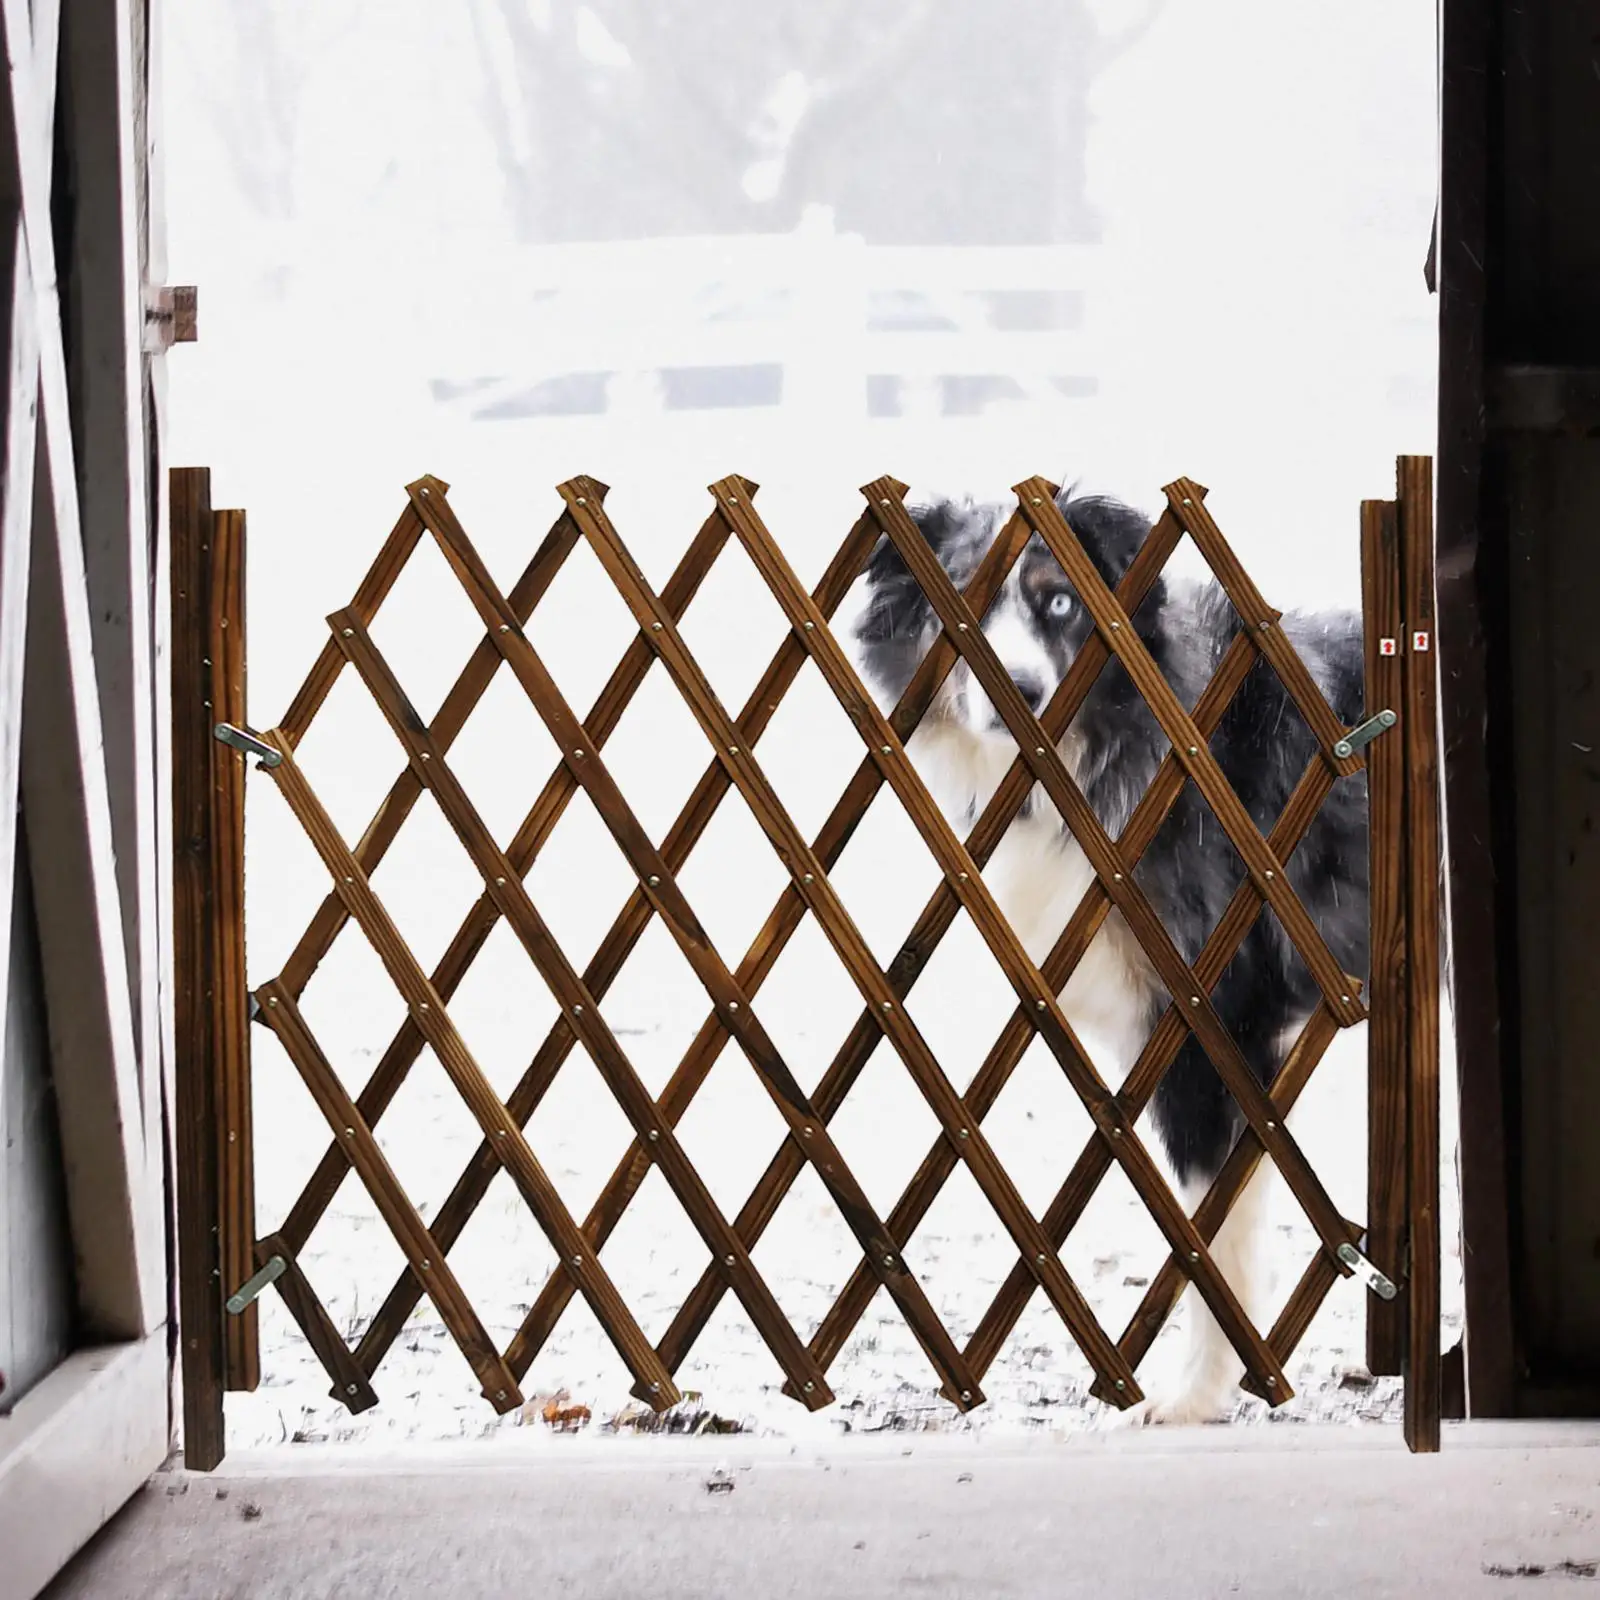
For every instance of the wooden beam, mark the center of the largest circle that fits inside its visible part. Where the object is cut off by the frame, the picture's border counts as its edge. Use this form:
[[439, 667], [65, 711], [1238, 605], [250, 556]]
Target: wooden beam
[[200, 1290]]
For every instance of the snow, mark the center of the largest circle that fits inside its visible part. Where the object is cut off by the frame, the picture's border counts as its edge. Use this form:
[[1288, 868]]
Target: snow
[[1257, 320]]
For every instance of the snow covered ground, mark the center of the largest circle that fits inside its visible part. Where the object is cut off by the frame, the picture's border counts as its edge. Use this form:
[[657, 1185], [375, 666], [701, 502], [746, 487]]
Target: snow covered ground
[[1261, 325]]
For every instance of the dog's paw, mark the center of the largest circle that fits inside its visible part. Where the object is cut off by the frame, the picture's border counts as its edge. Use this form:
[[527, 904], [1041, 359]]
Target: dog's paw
[[1175, 1408]]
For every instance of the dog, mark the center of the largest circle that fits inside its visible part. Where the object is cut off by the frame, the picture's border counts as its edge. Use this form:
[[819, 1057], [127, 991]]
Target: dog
[[1113, 747]]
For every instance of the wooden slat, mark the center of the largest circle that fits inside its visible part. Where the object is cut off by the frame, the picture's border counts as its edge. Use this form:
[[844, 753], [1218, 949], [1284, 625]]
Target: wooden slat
[[465, 693], [282, 1015], [1158, 1054], [730, 999], [351, 1386], [1008, 1050], [374, 588], [505, 889], [1187, 500], [607, 961], [530, 838], [1386, 1030], [1419, 724], [1037, 498], [464, 1072], [230, 1016], [1302, 1306], [822, 899], [200, 1293]]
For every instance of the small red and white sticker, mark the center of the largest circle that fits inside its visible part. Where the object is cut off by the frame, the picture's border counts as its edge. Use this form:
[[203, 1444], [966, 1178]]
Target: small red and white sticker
[[1388, 647], [1419, 641]]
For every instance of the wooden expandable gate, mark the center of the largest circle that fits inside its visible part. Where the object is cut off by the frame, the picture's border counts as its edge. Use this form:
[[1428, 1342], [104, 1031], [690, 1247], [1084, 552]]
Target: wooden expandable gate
[[225, 1264]]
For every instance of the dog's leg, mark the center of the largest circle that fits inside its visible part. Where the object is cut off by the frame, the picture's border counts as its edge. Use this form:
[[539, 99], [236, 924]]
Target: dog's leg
[[1204, 1387]]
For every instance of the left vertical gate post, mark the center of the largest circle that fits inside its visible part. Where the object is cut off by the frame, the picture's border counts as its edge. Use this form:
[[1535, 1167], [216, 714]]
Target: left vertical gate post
[[211, 1068]]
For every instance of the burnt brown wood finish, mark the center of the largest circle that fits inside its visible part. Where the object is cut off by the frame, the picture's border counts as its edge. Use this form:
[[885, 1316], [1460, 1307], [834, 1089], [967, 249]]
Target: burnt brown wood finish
[[733, 990]]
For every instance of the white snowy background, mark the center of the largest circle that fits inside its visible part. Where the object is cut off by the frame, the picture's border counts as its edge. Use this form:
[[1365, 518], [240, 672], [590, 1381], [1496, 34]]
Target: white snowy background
[[1253, 315]]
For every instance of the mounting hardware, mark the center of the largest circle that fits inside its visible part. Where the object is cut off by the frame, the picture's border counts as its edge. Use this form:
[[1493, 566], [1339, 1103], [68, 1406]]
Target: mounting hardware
[[1365, 733], [240, 739], [251, 1289], [171, 316], [1381, 1286]]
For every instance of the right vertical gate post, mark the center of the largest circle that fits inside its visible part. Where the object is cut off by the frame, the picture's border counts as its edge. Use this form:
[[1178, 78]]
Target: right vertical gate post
[[1419, 727]]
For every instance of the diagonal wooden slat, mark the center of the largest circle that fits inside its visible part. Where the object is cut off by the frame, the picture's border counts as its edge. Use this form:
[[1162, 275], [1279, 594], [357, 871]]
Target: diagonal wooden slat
[[1001, 1061], [601, 972], [1158, 1054], [410, 1232], [1186, 500], [729, 998], [829, 911], [523, 850], [506, 889], [425, 1005], [1037, 498], [1302, 1305], [770, 941], [1191, 750], [351, 1385]]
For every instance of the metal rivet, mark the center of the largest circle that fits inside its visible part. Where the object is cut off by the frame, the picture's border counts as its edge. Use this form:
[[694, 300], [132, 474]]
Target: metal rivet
[[1037, 501], [966, 1395], [884, 749], [1265, 626], [499, 1394], [733, 499], [888, 1005], [733, 1005], [652, 880], [655, 627], [1271, 1125], [501, 882], [1116, 1133], [888, 1261], [809, 626], [1040, 1258], [424, 493], [578, 754], [1116, 877], [1194, 1255], [1270, 876], [1187, 501], [1194, 999], [883, 502], [426, 756], [961, 627], [577, 1010], [505, 627], [962, 876], [733, 749], [355, 1388], [805, 1133], [1038, 750], [1194, 749], [961, 1133], [1039, 1005], [1345, 998], [655, 1388], [1272, 1383], [422, 1005], [807, 877], [271, 1001], [425, 1265], [349, 633], [728, 1261], [349, 1133], [349, 880], [1115, 626], [582, 501], [499, 1133], [1121, 1383], [577, 1261], [808, 1386], [653, 1135]]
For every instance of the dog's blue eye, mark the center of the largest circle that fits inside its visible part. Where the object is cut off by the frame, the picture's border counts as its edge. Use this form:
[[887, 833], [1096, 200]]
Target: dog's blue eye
[[1058, 605]]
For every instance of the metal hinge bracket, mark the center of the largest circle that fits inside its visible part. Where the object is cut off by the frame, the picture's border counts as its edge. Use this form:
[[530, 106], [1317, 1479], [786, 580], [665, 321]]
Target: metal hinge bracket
[[242, 739], [1365, 733], [253, 1287], [1362, 1268]]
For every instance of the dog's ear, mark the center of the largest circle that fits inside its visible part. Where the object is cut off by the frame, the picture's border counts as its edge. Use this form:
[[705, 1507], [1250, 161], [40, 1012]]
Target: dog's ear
[[1110, 531], [895, 599]]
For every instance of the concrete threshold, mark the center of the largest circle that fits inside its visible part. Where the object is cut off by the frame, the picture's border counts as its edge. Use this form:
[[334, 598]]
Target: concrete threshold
[[1504, 1510]]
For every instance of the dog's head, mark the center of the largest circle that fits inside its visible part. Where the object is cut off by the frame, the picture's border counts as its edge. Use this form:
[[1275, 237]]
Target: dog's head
[[1036, 623]]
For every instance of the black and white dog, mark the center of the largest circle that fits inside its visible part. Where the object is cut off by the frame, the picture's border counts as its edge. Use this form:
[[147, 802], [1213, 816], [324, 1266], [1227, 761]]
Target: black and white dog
[[1113, 747]]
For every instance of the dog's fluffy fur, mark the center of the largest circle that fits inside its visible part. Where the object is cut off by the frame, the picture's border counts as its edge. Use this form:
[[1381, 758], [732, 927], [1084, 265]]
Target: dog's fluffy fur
[[1113, 747]]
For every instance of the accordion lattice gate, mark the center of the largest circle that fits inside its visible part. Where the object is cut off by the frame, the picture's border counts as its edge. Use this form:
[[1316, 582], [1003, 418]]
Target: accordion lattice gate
[[1396, 1250]]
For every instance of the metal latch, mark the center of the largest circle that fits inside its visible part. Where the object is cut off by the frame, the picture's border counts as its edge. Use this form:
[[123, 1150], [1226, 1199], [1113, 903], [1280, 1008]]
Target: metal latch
[[240, 739], [1381, 1286], [1365, 733], [253, 1287]]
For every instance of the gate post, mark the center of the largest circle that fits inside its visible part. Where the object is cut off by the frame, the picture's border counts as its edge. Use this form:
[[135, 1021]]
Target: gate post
[[215, 1182]]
